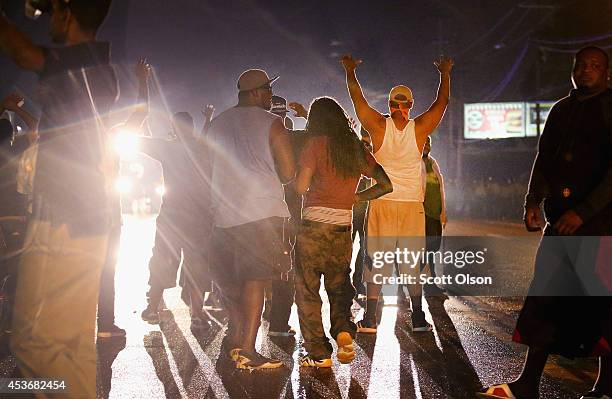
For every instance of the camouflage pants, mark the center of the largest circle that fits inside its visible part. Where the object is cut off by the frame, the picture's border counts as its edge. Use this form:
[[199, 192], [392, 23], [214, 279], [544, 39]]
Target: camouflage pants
[[323, 251]]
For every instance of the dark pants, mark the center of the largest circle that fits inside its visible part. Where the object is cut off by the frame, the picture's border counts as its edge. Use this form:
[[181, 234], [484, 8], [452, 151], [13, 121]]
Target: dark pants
[[433, 233], [569, 307], [254, 251], [180, 232], [323, 251], [106, 298], [360, 211], [283, 293], [12, 235]]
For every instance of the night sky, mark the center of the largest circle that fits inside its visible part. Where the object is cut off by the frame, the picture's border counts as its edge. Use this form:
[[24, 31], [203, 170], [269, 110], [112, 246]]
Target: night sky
[[199, 48]]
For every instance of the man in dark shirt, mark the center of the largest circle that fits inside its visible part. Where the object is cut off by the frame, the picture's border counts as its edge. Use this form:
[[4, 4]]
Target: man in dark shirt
[[182, 221], [57, 292], [569, 307]]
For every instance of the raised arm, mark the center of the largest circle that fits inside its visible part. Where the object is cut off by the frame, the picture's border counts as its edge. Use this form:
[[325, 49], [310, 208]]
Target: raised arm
[[427, 122], [208, 112], [142, 72], [372, 120], [19, 48], [14, 102], [282, 152]]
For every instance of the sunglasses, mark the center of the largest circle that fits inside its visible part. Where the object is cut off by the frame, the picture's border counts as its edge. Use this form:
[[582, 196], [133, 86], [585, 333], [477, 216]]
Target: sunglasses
[[394, 104], [265, 87]]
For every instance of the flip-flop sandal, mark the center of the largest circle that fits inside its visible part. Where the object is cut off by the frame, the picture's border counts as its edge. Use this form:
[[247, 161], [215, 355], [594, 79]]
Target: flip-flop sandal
[[501, 391]]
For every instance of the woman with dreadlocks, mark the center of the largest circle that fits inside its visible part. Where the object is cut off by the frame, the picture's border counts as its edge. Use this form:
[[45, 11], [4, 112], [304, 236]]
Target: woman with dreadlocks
[[331, 164]]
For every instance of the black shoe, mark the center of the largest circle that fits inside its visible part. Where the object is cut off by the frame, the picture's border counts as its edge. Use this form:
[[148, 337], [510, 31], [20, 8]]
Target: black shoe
[[213, 302], [110, 332], [366, 326], [419, 324], [360, 289], [199, 324], [150, 315], [434, 290]]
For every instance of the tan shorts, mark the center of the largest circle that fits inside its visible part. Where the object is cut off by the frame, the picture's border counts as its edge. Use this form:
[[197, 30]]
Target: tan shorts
[[394, 227]]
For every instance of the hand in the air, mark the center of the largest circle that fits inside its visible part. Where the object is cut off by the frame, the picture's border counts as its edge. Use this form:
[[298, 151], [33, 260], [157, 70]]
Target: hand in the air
[[349, 63], [12, 102], [444, 64], [142, 69]]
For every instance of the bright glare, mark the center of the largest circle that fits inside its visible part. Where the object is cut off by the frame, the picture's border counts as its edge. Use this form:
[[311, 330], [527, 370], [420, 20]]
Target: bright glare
[[137, 169], [161, 190], [123, 185], [126, 143]]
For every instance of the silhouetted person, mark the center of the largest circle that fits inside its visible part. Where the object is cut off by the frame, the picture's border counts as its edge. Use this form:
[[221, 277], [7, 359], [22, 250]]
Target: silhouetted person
[[59, 274], [182, 224], [106, 299], [360, 210], [569, 307], [251, 159], [283, 291], [435, 212]]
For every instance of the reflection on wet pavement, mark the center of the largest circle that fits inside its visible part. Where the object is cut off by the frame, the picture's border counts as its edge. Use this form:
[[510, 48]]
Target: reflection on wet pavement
[[469, 348]]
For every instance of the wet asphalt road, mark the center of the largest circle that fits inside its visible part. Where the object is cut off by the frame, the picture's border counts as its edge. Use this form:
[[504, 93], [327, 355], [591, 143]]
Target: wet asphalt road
[[469, 348]]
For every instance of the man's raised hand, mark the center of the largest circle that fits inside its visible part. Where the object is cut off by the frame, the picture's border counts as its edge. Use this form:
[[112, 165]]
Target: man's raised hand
[[444, 64], [299, 110], [208, 112], [349, 63], [143, 69], [12, 102]]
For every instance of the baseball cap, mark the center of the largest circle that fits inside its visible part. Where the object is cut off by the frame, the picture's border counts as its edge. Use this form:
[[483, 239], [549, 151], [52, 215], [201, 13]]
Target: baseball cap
[[254, 79], [400, 94], [279, 105]]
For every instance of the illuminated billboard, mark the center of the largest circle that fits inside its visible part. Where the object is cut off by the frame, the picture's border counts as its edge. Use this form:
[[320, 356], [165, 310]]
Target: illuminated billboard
[[532, 117], [494, 120], [504, 120]]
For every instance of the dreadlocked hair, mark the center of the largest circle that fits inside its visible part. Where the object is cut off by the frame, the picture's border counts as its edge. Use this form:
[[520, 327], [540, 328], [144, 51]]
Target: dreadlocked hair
[[346, 152]]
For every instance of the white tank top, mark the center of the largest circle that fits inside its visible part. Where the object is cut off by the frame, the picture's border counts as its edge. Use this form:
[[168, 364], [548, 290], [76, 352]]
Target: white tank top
[[402, 160]]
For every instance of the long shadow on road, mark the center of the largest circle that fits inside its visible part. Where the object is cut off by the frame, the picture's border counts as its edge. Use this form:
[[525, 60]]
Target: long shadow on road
[[433, 367], [107, 350]]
